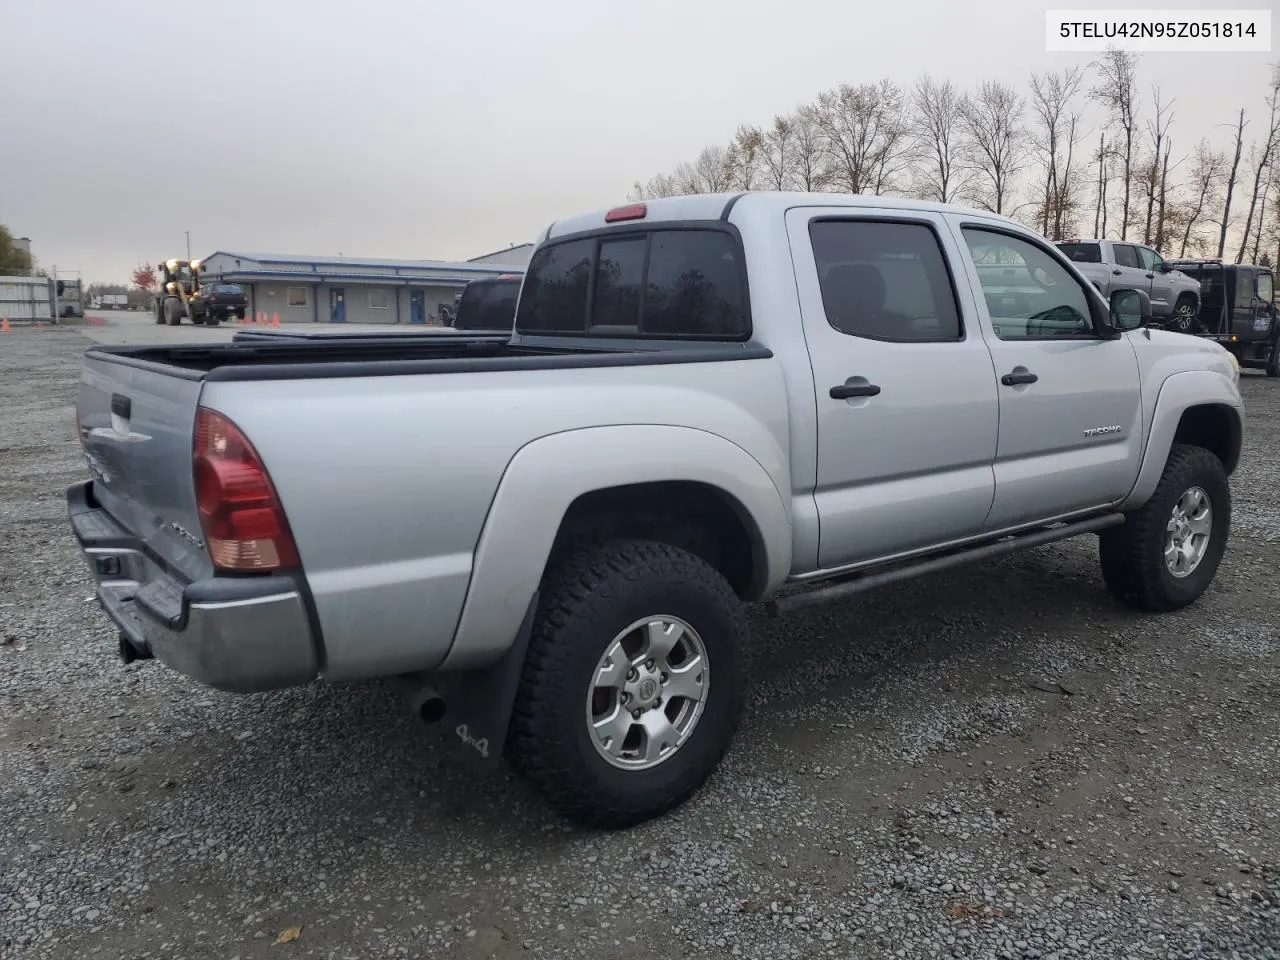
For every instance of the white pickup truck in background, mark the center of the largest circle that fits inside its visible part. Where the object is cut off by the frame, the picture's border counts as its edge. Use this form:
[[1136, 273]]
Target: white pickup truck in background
[[548, 539], [1119, 265]]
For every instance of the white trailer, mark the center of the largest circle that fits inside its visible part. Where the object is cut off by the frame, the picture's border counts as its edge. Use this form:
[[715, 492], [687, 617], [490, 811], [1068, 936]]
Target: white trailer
[[25, 299]]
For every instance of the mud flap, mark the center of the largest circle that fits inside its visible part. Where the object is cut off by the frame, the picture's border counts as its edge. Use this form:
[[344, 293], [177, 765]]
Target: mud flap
[[480, 702]]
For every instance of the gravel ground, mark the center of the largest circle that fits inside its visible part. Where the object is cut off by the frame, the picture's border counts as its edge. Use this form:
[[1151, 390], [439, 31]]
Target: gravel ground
[[999, 763]]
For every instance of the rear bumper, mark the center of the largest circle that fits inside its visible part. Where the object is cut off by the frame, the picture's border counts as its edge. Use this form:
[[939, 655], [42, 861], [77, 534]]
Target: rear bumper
[[234, 633]]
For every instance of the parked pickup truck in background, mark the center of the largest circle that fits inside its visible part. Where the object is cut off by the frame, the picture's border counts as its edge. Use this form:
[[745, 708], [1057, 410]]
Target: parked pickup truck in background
[[488, 304], [1115, 265], [548, 539], [216, 302]]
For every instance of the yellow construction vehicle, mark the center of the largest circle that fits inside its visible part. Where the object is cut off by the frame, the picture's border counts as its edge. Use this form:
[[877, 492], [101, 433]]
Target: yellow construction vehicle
[[179, 287]]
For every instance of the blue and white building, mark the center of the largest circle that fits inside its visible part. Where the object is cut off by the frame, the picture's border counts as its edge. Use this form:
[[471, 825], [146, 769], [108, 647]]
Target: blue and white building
[[354, 290]]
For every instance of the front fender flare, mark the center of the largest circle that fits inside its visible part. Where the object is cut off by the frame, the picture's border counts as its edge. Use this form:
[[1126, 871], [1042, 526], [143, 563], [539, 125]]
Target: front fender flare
[[544, 478], [1179, 393]]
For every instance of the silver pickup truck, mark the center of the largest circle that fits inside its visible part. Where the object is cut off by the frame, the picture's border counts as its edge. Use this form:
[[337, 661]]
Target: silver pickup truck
[[1117, 265], [548, 540]]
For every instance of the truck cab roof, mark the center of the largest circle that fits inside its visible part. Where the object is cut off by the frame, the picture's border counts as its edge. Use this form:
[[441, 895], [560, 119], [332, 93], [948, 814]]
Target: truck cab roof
[[719, 206]]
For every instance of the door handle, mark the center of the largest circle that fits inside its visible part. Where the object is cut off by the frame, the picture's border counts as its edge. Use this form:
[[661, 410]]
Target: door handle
[[847, 391], [1116, 272], [1150, 276], [1013, 379]]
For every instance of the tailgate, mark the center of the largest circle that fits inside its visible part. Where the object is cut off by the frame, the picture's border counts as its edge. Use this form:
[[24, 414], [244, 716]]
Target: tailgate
[[137, 421]]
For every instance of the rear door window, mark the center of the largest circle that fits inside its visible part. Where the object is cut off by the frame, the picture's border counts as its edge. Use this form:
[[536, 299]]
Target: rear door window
[[661, 283]]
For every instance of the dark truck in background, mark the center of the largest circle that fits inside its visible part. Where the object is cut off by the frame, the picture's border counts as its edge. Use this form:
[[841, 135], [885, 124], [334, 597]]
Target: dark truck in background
[[216, 302], [488, 304], [1237, 309]]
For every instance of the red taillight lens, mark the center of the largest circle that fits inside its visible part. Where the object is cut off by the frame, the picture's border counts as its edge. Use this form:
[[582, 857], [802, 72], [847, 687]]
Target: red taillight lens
[[244, 524]]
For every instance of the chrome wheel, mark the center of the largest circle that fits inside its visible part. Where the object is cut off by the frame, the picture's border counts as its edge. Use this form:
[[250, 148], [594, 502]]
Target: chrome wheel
[[647, 692], [1188, 531], [1184, 316]]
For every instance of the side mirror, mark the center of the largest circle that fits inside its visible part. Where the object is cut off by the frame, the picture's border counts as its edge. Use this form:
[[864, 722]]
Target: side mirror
[[1130, 309]]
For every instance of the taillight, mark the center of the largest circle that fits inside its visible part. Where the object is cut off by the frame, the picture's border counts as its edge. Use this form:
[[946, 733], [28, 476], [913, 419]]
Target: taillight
[[244, 524]]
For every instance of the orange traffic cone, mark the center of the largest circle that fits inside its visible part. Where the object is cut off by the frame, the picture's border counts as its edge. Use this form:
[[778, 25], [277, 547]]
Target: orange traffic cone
[[275, 319], [262, 318], [4, 325]]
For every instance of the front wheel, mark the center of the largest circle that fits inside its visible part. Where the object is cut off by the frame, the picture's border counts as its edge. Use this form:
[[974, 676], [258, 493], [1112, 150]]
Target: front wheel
[[173, 312], [633, 683], [1167, 551], [1273, 359]]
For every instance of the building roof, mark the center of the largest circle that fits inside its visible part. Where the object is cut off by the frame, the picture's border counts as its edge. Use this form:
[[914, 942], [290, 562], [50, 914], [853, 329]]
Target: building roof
[[233, 265], [511, 249]]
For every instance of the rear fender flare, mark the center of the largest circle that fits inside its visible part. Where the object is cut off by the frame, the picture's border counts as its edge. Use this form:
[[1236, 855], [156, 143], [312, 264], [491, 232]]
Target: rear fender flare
[[544, 478]]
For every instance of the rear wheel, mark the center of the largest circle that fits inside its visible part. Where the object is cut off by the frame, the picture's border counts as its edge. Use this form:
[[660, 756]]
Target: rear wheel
[[1184, 315], [212, 320], [633, 683], [1273, 359], [172, 312], [1166, 553]]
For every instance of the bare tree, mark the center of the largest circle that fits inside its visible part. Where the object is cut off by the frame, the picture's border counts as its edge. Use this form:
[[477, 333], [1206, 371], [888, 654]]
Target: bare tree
[[744, 158], [1161, 236], [1258, 232], [711, 172], [1054, 140], [1266, 150], [1103, 157], [1117, 92], [777, 153], [939, 143], [810, 171], [659, 185], [864, 135], [1206, 181], [1231, 186], [994, 143], [1159, 130]]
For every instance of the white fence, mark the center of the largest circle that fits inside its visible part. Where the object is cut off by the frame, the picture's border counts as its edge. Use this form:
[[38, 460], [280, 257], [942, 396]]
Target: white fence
[[25, 298]]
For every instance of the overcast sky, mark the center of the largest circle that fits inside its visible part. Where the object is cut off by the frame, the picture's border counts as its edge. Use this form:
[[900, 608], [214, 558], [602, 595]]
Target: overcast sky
[[423, 129]]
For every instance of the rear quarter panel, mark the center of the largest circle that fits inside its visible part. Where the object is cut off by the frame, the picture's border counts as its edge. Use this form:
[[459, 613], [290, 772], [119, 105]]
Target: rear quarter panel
[[387, 481]]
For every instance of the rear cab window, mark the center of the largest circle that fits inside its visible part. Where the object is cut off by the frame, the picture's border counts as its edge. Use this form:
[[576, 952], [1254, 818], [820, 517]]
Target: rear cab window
[[664, 281], [1082, 252]]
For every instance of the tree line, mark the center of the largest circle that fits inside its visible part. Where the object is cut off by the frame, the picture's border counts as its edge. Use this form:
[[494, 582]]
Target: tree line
[[1027, 154]]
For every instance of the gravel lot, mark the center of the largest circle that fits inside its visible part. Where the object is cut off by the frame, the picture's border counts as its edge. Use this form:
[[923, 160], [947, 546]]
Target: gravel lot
[[998, 763]]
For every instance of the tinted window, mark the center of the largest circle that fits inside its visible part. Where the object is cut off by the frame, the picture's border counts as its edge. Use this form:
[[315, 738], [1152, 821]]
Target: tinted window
[[1126, 255], [1245, 287], [1082, 252], [487, 305], [884, 281], [555, 290], [619, 281], [1266, 287], [695, 285], [227, 288], [660, 283], [1029, 294]]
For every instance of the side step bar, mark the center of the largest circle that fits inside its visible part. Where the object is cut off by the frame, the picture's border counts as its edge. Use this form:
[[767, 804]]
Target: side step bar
[[871, 579]]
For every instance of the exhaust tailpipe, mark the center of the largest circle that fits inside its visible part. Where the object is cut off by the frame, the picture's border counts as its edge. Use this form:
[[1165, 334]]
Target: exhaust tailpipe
[[420, 695]]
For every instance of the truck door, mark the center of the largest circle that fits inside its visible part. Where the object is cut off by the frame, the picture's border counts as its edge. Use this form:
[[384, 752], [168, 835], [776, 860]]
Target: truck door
[[905, 398], [1161, 284], [1070, 436], [1132, 276]]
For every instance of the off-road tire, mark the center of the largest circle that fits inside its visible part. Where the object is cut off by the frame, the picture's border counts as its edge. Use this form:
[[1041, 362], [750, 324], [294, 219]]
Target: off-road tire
[[1183, 324], [1132, 554], [1273, 360], [173, 312], [587, 599]]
